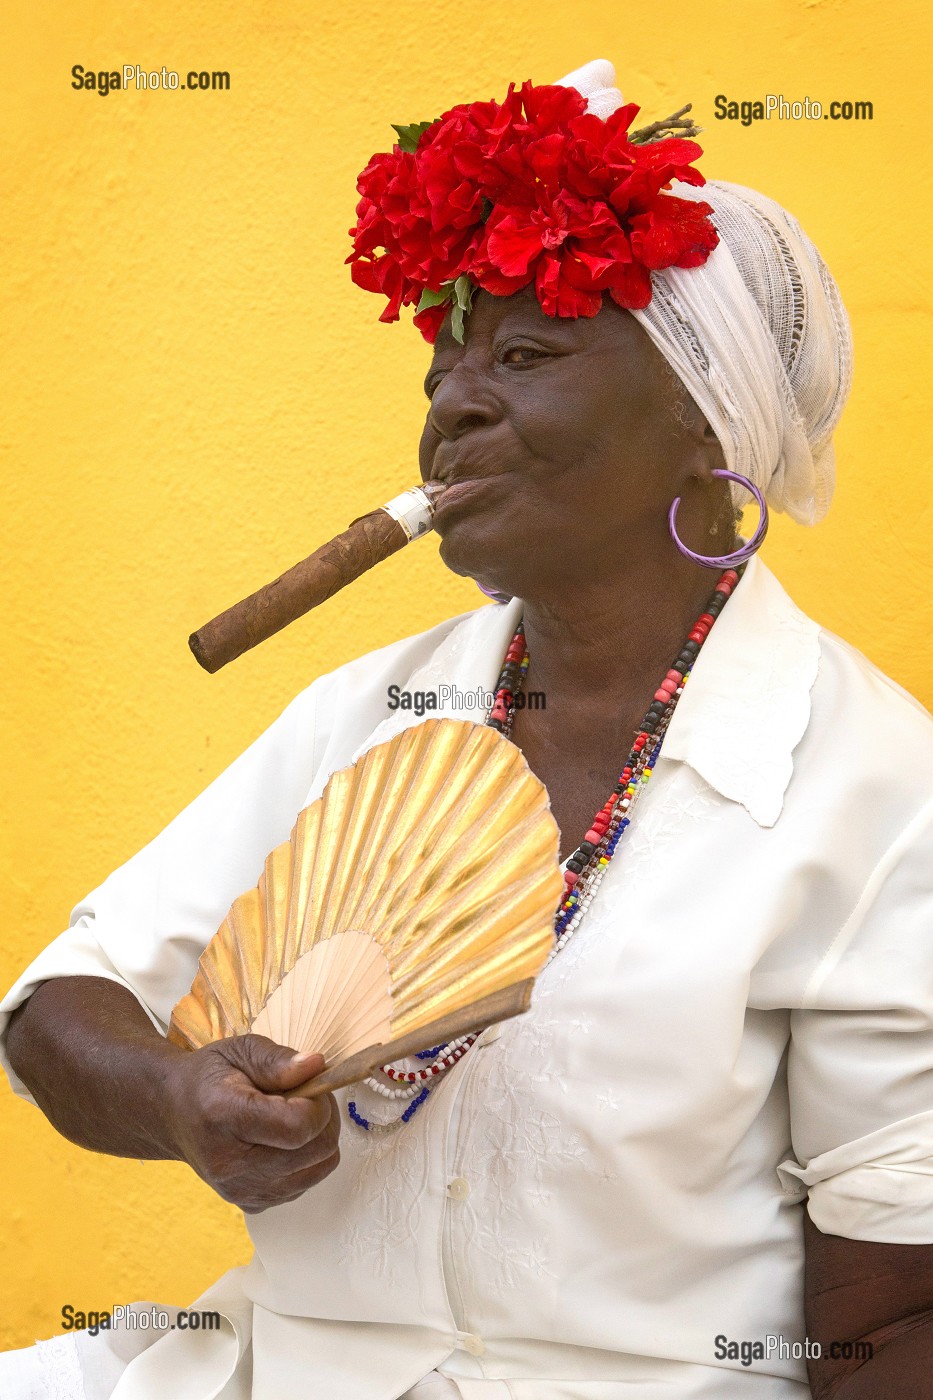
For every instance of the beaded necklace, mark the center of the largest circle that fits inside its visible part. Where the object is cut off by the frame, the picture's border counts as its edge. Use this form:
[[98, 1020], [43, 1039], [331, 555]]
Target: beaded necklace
[[585, 868]]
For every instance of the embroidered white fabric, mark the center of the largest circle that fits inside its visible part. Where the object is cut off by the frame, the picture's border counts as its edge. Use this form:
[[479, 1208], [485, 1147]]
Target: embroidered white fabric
[[758, 336], [53, 1370], [47, 1371]]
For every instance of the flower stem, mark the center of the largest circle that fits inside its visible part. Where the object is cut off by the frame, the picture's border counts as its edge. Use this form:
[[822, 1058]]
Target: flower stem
[[676, 122]]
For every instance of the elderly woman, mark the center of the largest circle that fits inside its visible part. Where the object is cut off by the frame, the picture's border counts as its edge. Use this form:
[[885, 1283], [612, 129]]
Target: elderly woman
[[604, 1197]]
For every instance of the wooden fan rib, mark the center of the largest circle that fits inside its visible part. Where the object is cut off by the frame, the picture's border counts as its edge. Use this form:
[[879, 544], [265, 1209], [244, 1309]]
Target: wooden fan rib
[[308, 1012], [366, 1022], [341, 982], [501, 1006], [319, 1007]]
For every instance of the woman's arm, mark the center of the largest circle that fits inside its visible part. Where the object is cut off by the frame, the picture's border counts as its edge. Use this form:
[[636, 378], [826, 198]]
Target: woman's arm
[[879, 1294], [106, 1079]]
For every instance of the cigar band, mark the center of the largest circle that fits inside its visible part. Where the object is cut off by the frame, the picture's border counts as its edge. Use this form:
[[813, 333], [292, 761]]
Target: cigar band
[[413, 511]]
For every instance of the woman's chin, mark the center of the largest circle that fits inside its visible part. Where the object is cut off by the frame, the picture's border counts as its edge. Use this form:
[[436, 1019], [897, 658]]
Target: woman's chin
[[470, 555], [497, 551]]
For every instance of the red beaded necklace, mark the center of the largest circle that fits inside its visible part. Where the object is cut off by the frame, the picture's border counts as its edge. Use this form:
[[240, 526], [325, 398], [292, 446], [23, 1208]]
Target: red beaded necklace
[[584, 870]]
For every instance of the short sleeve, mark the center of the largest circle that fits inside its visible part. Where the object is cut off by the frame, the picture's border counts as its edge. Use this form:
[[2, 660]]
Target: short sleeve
[[860, 1065], [146, 926]]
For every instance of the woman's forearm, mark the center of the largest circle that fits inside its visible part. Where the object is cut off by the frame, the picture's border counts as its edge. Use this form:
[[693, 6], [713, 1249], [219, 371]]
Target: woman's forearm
[[96, 1066], [106, 1079], [901, 1364], [878, 1298]]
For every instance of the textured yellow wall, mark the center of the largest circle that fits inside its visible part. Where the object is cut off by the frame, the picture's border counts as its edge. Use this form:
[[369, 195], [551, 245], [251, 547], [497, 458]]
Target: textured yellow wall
[[195, 396]]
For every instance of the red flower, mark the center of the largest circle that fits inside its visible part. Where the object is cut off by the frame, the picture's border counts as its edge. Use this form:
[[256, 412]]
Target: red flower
[[567, 246], [430, 320], [674, 233], [532, 190]]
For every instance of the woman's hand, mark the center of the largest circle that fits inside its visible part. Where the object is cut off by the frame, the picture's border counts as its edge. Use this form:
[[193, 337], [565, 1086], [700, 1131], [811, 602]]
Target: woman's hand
[[105, 1077], [230, 1123]]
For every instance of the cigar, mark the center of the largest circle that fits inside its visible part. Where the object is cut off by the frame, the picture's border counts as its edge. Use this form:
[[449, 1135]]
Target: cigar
[[366, 542]]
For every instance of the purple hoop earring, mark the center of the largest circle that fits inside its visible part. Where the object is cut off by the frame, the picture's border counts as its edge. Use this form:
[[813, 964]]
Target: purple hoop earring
[[738, 556]]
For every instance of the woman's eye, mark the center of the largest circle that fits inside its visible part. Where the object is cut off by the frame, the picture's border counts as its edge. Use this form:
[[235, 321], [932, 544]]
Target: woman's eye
[[521, 355]]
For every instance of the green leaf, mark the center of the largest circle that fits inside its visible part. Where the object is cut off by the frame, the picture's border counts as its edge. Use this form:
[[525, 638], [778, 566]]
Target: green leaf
[[409, 136], [460, 296], [463, 292], [429, 298]]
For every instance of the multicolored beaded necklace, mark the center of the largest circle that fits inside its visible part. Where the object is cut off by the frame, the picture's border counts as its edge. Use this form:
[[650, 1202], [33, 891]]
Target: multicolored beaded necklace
[[586, 867]]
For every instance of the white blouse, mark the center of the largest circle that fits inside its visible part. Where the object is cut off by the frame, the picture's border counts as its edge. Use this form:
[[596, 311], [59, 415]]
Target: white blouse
[[607, 1185]]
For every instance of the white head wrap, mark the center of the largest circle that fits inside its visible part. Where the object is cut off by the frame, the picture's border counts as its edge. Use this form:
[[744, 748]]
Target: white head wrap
[[758, 336]]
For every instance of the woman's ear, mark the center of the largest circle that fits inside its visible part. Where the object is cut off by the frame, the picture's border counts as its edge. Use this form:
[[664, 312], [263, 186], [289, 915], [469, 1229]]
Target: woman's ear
[[708, 453], [705, 457]]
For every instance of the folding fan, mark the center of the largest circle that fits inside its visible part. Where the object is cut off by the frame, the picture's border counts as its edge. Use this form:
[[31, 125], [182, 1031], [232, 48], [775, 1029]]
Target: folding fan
[[414, 901]]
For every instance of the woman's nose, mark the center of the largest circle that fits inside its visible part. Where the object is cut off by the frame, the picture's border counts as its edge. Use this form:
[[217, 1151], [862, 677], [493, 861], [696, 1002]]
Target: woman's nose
[[462, 401]]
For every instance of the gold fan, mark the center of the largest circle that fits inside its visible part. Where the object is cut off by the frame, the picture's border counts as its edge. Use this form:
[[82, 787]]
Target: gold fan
[[413, 902]]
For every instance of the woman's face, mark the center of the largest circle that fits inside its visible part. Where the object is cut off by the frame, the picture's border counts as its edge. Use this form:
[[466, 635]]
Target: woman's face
[[558, 439]]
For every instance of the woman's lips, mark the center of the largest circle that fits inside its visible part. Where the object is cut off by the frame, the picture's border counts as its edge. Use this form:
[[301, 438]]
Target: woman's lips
[[462, 493]]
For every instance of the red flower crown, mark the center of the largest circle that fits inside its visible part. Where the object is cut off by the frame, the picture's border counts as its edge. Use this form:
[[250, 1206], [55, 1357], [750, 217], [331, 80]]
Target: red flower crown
[[535, 189]]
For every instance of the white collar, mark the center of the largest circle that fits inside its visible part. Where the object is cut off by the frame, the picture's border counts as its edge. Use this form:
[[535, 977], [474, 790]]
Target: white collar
[[742, 714], [747, 704]]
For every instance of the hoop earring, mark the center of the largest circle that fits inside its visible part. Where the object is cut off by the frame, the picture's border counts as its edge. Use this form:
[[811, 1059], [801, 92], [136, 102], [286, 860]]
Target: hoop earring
[[738, 556]]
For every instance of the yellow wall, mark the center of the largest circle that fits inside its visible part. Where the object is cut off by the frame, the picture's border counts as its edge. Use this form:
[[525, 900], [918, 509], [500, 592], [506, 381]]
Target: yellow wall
[[195, 396]]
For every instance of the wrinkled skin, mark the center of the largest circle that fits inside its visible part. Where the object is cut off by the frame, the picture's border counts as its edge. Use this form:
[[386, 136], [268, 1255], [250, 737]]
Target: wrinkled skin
[[232, 1125], [564, 443], [581, 438]]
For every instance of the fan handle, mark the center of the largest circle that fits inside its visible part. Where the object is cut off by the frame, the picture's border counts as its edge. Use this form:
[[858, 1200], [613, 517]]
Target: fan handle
[[498, 1006]]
